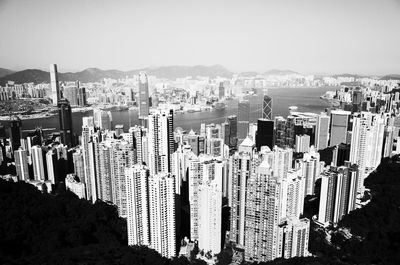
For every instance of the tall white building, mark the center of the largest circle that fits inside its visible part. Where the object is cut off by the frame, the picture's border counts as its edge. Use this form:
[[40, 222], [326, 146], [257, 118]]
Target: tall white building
[[241, 164], [103, 170], [208, 172], [89, 157], [302, 143], [294, 237], [137, 201], [311, 168], [55, 87], [51, 163], [75, 186], [262, 215], [121, 156], [21, 164], [294, 194], [366, 145], [160, 141], [210, 214], [38, 164], [162, 214]]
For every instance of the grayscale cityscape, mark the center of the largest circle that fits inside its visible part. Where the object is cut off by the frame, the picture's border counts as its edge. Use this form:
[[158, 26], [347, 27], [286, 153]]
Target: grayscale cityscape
[[248, 132]]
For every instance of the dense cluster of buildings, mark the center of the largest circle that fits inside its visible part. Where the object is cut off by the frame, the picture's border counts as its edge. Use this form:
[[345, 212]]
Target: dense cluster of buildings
[[172, 186]]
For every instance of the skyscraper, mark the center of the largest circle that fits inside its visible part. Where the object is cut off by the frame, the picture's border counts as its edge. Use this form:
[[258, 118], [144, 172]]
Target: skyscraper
[[366, 144], [294, 235], [241, 165], [339, 126], [51, 166], [267, 107], [65, 120], [262, 215], [102, 119], [232, 131], [221, 90], [21, 164], [103, 170], [79, 168], [162, 214], [121, 156], [302, 143], [37, 161], [210, 214], [311, 169], [70, 92], [338, 193], [322, 131], [89, 155], [55, 87], [205, 173], [73, 184], [137, 200], [143, 96], [265, 133], [15, 132], [243, 119], [161, 141]]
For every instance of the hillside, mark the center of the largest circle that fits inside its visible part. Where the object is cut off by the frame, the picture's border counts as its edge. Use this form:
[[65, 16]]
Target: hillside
[[61, 229], [4, 72], [95, 74]]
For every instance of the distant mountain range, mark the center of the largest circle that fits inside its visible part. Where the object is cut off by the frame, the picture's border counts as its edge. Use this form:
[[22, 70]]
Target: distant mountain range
[[280, 72], [94, 74], [169, 72], [390, 77]]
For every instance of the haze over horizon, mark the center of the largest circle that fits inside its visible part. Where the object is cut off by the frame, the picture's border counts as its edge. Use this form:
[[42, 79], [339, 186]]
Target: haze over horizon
[[311, 36]]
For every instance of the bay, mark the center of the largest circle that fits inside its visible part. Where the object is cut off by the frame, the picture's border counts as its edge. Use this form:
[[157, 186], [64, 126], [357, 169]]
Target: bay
[[306, 99]]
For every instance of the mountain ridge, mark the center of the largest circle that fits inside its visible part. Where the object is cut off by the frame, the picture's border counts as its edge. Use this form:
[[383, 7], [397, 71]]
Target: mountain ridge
[[95, 74], [4, 72]]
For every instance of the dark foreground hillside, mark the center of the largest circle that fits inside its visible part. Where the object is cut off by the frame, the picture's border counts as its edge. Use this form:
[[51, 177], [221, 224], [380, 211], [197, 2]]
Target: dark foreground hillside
[[37, 228]]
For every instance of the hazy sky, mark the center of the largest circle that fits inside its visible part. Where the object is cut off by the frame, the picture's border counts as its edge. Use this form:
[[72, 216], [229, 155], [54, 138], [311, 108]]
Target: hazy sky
[[309, 36]]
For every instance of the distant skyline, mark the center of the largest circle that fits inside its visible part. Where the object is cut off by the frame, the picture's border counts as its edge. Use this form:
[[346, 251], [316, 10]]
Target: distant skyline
[[310, 36]]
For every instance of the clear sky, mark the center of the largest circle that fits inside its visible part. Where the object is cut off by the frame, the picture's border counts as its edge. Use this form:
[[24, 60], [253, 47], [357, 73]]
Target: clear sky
[[309, 36]]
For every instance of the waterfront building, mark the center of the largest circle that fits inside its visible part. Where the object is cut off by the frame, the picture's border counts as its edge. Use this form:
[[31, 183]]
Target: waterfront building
[[267, 107], [65, 121], [102, 119], [243, 119]]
